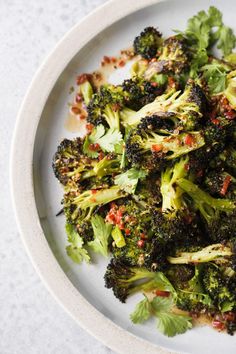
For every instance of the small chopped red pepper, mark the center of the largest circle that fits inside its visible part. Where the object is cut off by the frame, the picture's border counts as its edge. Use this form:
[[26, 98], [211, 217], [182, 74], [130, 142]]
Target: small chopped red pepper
[[157, 147], [226, 184], [189, 140], [141, 243], [89, 127], [218, 325], [162, 293]]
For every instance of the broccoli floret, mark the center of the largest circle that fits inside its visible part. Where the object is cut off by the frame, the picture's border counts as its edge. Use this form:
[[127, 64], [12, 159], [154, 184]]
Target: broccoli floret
[[69, 162], [174, 222], [174, 56], [218, 213], [221, 184], [216, 286], [148, 42], [207, 254], [228, 157], [105, 105], [86, 90], [124, 280], [139, 92], [229, 92], [133, 220], [71, 166], [187, 108], [151, 147]]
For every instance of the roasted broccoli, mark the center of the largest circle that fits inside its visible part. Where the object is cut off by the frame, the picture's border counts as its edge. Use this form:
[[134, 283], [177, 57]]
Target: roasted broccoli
[[148, 43], [150, 145], [124, 280], [186, 109]]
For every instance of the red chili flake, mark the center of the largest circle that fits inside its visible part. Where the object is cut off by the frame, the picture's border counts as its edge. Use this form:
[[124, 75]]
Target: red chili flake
[[143, 236], [157, 147], [113, 59], [94, 191], [106, 59], [162, 293], [171, 81], [229, 316], [189, 140], [187, 167], [83, 77], [215, 121], [101, 156], [115, 107], [75, 110], [225, 186], [89, 127], [93, 200], [127, 231], [121, 63], [230, 114], [154, 84], [121, 225], [213, 114], [188, 219], [94, 147], [82, 116], [141, 243], [200, 173], [218, 325], [78, 98]]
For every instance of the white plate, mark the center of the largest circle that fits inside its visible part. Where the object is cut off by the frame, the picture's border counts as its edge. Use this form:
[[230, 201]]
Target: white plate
[[37, 195]]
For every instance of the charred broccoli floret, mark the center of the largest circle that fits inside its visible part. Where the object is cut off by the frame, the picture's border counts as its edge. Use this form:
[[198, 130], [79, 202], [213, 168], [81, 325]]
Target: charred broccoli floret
[[133, 220], [105, 105], [125, 281], [221, 184], [174, 56], [151, 146], [72, 166], [218, 213], [207, 254], [187, 109], [139, 92], [216, 286], [148, 42]]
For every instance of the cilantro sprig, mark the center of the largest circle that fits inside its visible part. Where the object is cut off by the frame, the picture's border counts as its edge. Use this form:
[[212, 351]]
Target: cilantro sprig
[[168, 323]]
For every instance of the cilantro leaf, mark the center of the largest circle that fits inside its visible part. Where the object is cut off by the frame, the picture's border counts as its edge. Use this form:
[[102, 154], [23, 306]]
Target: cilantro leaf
[[78, 255], [128, 180], [142, 311], [75, 250], [107, 140], [161, 304], [102, 232], [160, 282], [215, 75], [226, 40], [171, 324]]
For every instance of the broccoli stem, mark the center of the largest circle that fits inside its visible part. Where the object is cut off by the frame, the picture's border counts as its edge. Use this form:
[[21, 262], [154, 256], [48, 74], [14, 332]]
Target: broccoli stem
[[207, 254], [204, 202], [93, 198]]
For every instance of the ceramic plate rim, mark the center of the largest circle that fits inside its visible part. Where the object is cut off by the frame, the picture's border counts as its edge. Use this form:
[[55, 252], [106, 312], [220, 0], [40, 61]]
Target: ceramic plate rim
[[21, 174]]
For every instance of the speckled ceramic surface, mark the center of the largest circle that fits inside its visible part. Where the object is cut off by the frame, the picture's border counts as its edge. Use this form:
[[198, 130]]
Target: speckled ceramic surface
[[80, 289]]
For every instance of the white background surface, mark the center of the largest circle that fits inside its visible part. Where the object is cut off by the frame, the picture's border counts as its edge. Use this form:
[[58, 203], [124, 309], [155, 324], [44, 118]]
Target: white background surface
[[31, 322]]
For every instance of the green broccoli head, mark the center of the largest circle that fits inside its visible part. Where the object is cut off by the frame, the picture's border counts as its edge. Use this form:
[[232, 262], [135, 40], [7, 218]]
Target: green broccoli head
[[148, 43], [187, 109], [124, 280], [175, 56], [133, 220], [153, 145], [105, 105], [218, 213], [69, 162], [139, 92], [216, 286]]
